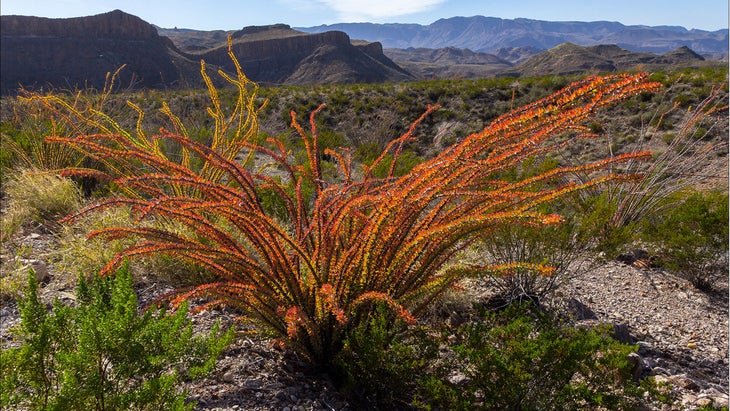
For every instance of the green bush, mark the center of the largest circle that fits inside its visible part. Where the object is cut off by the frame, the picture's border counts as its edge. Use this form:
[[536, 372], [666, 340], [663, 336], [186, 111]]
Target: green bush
[[595, 221], [102, 354], [523, 359], [516, 359], [381, 359], [691, 238]]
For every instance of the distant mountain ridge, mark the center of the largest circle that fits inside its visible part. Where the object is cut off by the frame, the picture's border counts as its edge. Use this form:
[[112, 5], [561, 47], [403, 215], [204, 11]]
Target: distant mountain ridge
[[79, 52], [489, 34], [448, 62], [565, 59]]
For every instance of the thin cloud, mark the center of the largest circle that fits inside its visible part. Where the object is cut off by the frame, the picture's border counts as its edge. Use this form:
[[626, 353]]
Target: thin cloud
[[358, 10]]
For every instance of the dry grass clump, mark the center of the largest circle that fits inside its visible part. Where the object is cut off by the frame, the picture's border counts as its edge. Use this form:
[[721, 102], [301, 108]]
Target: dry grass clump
[[30, 197], [36, 196], [14, 273], [75, 254]]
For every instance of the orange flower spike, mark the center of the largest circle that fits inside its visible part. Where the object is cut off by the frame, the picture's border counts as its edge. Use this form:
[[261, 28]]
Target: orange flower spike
[[293, 319], [330, 304]]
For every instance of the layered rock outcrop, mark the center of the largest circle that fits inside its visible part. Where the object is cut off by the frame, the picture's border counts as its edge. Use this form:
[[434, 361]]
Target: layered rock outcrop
[[299, 58], [115, 24], [79, 52]]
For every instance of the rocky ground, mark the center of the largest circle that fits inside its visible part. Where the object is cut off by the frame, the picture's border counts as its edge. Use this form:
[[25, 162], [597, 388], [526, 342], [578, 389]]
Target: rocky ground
[[682, 335]]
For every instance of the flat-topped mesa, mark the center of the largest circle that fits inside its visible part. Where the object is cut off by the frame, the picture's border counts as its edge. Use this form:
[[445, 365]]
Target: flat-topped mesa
[[114, 24], [280, 55], [249, 30], [78, 53]]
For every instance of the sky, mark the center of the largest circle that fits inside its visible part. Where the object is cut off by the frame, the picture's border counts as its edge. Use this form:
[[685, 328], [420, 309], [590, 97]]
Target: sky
[[236, 14]]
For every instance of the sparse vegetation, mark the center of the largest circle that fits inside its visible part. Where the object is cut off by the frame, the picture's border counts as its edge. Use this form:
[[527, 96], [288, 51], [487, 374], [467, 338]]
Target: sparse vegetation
[[348, 243], [691, 236], [336, 238]]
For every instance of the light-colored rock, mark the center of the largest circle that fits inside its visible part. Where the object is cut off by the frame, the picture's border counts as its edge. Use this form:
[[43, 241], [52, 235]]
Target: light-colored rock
[[688, 399], [458, 378], [229, 376], [720, 400], [39, 267], [703, 402]]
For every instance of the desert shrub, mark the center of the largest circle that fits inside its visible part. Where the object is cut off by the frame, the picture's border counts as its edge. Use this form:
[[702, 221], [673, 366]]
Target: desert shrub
[[667, 138], [518, 358], [102, 354], [618, 212], [593, 218], [22, 144], [27, 121], [691, 236], [560, 247], [524, 359], [405, 163], [381, 360], [358, 239]]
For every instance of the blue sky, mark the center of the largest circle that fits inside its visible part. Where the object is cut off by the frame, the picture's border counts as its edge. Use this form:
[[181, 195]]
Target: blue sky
[[235, 14]]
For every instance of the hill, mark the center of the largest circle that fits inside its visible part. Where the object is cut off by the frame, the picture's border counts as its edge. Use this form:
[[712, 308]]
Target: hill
[[489, 34], [569, 58], [278, 54], [448, 62]]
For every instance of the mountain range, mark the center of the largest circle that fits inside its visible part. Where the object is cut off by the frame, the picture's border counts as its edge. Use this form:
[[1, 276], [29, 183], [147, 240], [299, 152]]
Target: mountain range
[[78, 52], [490, 34]]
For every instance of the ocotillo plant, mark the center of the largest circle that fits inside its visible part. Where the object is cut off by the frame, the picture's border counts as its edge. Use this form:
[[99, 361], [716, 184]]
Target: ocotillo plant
[[352, 242]]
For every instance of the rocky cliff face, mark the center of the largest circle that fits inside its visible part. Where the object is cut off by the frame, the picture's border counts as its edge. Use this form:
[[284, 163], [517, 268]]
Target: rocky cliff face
[[79, 52], [291, 57], [115, 24]]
